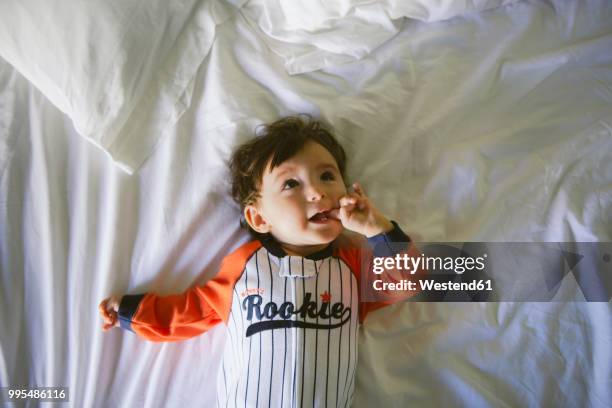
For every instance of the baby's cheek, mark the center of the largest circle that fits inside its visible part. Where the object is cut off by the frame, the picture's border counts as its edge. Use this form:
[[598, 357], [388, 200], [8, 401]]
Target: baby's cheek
[[342, 191]]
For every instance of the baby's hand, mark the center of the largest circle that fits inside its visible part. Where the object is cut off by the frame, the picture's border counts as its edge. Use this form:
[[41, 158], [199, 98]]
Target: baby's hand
[[109, 309], [357, 213]]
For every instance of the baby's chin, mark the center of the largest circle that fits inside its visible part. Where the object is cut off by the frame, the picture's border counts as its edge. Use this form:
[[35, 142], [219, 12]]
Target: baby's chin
[[313, 238], [327, 233]]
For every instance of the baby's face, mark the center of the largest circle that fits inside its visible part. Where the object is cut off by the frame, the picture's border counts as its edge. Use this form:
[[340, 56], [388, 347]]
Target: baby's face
[[300, 197]]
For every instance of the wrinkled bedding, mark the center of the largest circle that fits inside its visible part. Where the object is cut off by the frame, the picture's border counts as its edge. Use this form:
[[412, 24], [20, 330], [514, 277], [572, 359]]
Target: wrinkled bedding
[[492, 125]]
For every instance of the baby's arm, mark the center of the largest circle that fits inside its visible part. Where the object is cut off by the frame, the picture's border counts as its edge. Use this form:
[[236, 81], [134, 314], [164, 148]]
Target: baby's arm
[[386, 239], [164, 318], [180, 316]]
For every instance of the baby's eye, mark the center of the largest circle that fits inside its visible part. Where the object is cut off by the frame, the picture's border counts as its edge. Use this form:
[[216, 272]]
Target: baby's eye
[[328, 176], [290, 184]]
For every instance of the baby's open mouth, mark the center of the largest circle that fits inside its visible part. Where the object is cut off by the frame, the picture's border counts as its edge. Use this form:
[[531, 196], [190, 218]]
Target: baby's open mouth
[[325, 216]]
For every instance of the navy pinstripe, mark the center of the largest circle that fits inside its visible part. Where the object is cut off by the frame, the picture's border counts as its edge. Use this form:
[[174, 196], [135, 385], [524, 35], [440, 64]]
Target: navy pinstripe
[[294, 366], [284, 359], [339, 344], [328, 334], [303, 337], [272, 334], [348, 364], [314, 386], [260, 334], [246, 392]]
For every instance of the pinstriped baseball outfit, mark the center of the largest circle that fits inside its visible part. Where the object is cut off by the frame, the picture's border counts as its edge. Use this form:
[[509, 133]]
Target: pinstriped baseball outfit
[[292, 323]]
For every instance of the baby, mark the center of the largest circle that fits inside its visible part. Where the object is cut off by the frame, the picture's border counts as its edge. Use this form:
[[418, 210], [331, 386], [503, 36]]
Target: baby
[[290, 298]]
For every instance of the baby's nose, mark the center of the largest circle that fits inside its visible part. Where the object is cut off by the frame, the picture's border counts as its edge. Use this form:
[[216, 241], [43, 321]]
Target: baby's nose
[[315, 194]]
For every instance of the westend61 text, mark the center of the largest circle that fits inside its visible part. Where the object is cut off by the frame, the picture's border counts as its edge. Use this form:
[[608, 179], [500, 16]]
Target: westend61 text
[[427, 284]]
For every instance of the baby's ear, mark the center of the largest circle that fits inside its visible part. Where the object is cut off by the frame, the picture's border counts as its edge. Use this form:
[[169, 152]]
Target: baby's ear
[[255, 219]]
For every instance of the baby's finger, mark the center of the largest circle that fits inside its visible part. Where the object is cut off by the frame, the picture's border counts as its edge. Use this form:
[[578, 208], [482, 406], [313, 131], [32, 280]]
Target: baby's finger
[[113, 304], [363, 203], [112, 314], [102, 307], [347, 200], [358, 189], [347, 208], [343, 213], [112, 320], [107, 310], [107, 324], [335, 213]]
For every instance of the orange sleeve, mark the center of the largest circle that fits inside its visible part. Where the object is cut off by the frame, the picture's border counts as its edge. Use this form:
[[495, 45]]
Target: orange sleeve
[[353, 258], [182, 316], [359, 259]]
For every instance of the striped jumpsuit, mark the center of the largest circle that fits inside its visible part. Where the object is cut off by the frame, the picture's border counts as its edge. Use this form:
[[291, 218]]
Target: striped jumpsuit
[[292, 323]]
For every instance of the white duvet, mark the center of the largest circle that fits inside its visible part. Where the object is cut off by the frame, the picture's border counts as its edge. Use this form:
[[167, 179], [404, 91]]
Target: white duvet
[[494, 125]]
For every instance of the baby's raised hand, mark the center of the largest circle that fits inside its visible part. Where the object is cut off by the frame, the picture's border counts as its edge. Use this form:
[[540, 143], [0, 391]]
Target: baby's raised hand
[[109, 309], [357, 213]]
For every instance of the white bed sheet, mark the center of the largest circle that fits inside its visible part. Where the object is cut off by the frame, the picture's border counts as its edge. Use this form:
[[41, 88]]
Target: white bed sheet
[[122, 70], [494, 126]]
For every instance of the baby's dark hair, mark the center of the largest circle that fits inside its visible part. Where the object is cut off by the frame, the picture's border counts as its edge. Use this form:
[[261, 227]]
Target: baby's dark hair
[[275, 143]]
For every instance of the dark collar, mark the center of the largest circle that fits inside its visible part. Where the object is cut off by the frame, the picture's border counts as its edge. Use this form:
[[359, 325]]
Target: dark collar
[[273, 246]]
